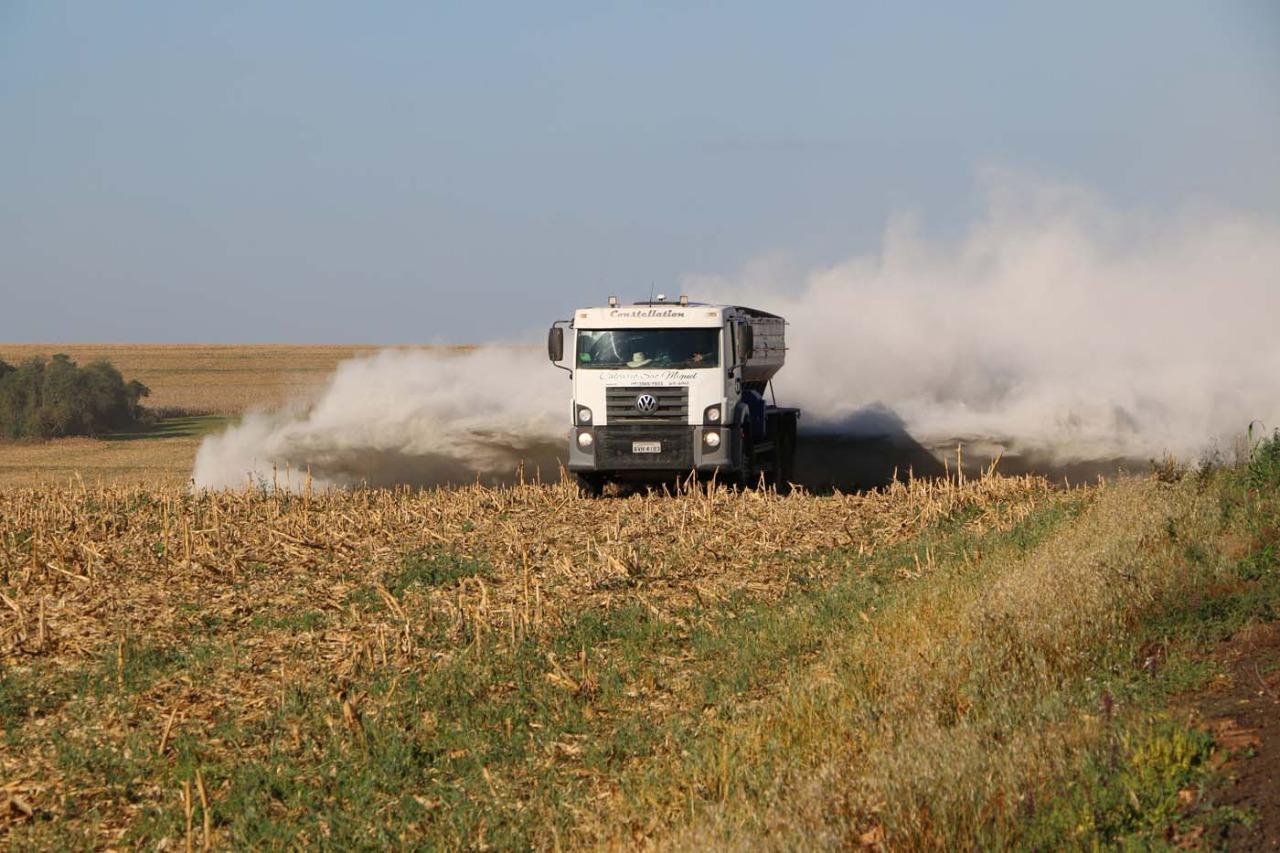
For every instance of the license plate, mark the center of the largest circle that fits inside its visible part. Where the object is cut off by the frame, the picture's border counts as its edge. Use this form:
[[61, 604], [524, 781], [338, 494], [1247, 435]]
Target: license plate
[[646, 447]]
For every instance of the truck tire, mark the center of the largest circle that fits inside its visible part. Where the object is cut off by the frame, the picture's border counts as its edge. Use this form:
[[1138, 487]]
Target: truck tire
[[747, 470], [592, 485], [786, 454]]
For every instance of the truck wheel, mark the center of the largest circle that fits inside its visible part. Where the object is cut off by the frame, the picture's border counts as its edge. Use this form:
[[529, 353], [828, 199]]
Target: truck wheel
[[592, 485], [747, 471], [786, 455]]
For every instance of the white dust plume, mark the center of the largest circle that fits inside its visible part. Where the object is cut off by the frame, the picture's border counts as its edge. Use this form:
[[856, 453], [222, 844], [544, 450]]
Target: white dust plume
[[1056, 325], [421, 417]]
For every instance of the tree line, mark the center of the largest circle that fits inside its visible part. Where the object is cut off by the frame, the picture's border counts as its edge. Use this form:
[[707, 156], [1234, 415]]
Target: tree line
[[50, 398]]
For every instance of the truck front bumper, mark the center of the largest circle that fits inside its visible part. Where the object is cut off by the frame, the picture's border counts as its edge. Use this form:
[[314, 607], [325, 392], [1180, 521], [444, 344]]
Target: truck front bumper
[[681, 448]]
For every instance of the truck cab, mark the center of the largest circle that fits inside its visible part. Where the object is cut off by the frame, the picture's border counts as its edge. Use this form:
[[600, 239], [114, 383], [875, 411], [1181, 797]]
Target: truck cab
[[667, 390]]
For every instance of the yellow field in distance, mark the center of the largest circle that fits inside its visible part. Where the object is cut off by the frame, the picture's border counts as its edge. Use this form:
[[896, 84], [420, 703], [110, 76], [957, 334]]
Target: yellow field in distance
[[200, 387], [207, 378]]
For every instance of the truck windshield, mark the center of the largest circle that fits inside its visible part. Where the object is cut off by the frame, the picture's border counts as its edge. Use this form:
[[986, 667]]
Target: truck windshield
[[634, 349]]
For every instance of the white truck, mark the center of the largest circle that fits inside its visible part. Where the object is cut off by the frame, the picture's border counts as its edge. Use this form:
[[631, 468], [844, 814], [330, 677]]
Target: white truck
[[663, 390]]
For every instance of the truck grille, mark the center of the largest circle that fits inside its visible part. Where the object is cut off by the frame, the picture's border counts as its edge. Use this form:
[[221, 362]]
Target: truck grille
[[614, 449], [672, 405]]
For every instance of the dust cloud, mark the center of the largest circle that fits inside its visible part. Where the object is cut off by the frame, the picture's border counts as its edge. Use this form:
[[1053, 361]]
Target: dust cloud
[[418, 417], [1057, 329]]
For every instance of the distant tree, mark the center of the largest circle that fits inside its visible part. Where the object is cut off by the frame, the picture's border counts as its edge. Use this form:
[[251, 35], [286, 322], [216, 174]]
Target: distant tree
[[48, 399]]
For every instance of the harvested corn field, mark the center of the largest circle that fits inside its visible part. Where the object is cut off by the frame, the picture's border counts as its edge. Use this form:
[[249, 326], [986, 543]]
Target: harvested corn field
[[521, 666]]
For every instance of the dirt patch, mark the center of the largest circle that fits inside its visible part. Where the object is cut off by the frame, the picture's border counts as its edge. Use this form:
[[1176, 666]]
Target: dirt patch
[[1242, 711]]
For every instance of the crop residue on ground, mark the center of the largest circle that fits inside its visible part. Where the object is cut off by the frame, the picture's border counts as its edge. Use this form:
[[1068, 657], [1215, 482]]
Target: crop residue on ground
[[521, 666]]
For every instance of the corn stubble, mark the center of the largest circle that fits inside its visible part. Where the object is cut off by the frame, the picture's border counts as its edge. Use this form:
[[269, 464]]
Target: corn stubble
[[161, 647]]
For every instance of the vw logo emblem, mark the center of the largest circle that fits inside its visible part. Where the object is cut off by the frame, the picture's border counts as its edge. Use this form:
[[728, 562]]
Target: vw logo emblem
[[647, 403]]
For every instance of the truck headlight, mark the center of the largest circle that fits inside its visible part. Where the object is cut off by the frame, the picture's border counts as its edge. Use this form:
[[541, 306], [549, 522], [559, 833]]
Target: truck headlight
[[585, 440], [711, 438], [584, 415], [712, 414]]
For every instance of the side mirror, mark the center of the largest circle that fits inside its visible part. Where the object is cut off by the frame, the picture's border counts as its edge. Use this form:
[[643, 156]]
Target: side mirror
[[748, 342], [555, 344]]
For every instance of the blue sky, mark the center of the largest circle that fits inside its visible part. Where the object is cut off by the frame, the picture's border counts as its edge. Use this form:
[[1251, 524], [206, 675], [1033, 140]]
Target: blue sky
[[387, 172]]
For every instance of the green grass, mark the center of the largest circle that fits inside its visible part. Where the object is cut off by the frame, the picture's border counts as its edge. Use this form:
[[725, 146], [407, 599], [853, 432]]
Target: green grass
[[434, 567], [1127, 792], [1264, 461], [298, 621], [23, 694], [187, 426]]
